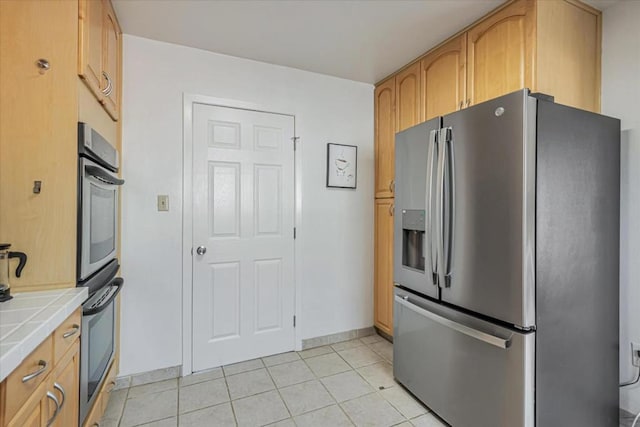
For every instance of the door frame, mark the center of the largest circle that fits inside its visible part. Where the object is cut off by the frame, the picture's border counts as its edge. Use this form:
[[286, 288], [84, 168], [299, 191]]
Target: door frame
[[189, 99]]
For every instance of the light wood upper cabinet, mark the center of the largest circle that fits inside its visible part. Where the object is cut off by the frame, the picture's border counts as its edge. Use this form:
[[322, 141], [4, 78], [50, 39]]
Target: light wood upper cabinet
[[111, 61], [548, 46], [443, 78], [568, 53], [99, 54], [501, 53], [38, 139], [91, 39], [385, 129], [408, 98], [383, 265]]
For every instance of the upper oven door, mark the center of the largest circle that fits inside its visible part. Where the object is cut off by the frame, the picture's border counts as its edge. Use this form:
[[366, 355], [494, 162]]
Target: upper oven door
[[99, 217]]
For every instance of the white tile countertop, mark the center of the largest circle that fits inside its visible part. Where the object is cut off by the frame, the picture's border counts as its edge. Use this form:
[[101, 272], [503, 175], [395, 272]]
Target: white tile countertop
[[29, 318]]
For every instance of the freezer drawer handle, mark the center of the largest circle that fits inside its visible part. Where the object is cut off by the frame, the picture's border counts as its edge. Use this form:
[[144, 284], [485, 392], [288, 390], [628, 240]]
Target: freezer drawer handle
[[473, 333]]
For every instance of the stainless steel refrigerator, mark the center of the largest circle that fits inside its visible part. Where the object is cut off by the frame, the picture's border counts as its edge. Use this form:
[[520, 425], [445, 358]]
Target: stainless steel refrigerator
[[506, 253]]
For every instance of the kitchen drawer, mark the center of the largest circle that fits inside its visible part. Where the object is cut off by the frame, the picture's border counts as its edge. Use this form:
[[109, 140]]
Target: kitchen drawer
[[66, 335], [35, 368]]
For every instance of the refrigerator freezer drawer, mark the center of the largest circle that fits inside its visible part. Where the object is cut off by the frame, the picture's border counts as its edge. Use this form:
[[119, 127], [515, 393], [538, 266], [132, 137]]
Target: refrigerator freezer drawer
[[468, 371]]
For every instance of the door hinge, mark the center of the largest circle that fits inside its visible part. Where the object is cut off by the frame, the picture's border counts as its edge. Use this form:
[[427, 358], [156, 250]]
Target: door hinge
[[294, 232], [294, 321], [295, 142]]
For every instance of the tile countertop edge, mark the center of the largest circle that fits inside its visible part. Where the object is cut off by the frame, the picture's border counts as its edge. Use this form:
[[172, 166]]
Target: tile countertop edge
[[32, 331]]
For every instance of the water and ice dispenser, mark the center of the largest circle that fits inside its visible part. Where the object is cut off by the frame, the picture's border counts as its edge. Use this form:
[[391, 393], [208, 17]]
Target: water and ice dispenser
[[413, 238]]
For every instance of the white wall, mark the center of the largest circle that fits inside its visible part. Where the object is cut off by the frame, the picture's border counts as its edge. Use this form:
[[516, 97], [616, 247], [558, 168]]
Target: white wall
[[620, 97], [335, 239]]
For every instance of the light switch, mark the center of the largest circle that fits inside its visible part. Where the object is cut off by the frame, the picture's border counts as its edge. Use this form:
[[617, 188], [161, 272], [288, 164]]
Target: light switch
[[163, 203]]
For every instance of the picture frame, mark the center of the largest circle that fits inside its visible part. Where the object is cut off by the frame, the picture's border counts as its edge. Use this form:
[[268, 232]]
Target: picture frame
[[342, 166]]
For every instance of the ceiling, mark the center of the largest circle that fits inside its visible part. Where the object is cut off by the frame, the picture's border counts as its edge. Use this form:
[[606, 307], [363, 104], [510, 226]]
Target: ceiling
[[362, 40]]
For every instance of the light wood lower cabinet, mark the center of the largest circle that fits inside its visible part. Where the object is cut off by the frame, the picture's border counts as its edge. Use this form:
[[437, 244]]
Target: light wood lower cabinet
[[383, 265], [41, 392], [35, 412], [67, 378]]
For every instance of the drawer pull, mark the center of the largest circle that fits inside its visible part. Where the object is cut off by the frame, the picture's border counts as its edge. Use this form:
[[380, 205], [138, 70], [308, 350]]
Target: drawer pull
[[57, 411], [62, 393], [459, 327], [75, 330], [43, 367], [107, 90]]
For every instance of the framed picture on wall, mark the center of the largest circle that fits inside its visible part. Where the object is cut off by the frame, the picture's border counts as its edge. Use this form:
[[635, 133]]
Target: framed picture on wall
[[342, 166]]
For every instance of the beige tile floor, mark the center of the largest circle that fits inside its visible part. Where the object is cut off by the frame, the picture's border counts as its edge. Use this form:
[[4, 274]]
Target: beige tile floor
[[345, 384]]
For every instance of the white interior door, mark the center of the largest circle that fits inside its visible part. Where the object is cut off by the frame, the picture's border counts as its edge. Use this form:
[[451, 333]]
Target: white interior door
[[243, 214]]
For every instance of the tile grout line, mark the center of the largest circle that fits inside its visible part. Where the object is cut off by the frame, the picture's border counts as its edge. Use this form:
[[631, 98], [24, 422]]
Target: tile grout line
[[279, 394], [126, 397], [233, 411]]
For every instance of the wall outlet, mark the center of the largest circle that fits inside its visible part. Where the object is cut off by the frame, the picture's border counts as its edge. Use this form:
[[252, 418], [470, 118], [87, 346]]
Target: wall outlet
[[163, 203], [635, 356]]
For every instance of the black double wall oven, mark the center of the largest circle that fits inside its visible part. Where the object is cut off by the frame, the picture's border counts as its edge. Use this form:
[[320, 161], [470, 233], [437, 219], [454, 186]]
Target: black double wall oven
[[97, 265]]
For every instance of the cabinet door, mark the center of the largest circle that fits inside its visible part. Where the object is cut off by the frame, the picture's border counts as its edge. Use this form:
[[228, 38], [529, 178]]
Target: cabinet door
[[35, 411], [111, 61], [443, 79], [38, 138], [568, 53], [385, 131], [408, 98], [90, 45], [65, 386], [501, 52], [383, 265]]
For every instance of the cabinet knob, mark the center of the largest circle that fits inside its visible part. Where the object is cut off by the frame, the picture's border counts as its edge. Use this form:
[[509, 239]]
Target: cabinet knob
[[391, 207], [392, 184], [43, 64]]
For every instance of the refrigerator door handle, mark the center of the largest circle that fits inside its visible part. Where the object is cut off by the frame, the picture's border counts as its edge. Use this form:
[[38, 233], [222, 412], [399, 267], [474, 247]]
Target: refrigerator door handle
[[471, 332], [440, 207], [430, 241], [449, 211]]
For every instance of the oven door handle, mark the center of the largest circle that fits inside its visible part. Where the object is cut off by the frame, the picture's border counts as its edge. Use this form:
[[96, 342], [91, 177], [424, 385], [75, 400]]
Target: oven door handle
[[100, 174], [118, 281]]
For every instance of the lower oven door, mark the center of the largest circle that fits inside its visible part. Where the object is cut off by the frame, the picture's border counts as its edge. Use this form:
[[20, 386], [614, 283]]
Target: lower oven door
[[97, 343], [468, 371]]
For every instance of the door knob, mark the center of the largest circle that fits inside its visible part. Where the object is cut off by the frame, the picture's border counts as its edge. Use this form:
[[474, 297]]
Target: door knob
[[201, 250]]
